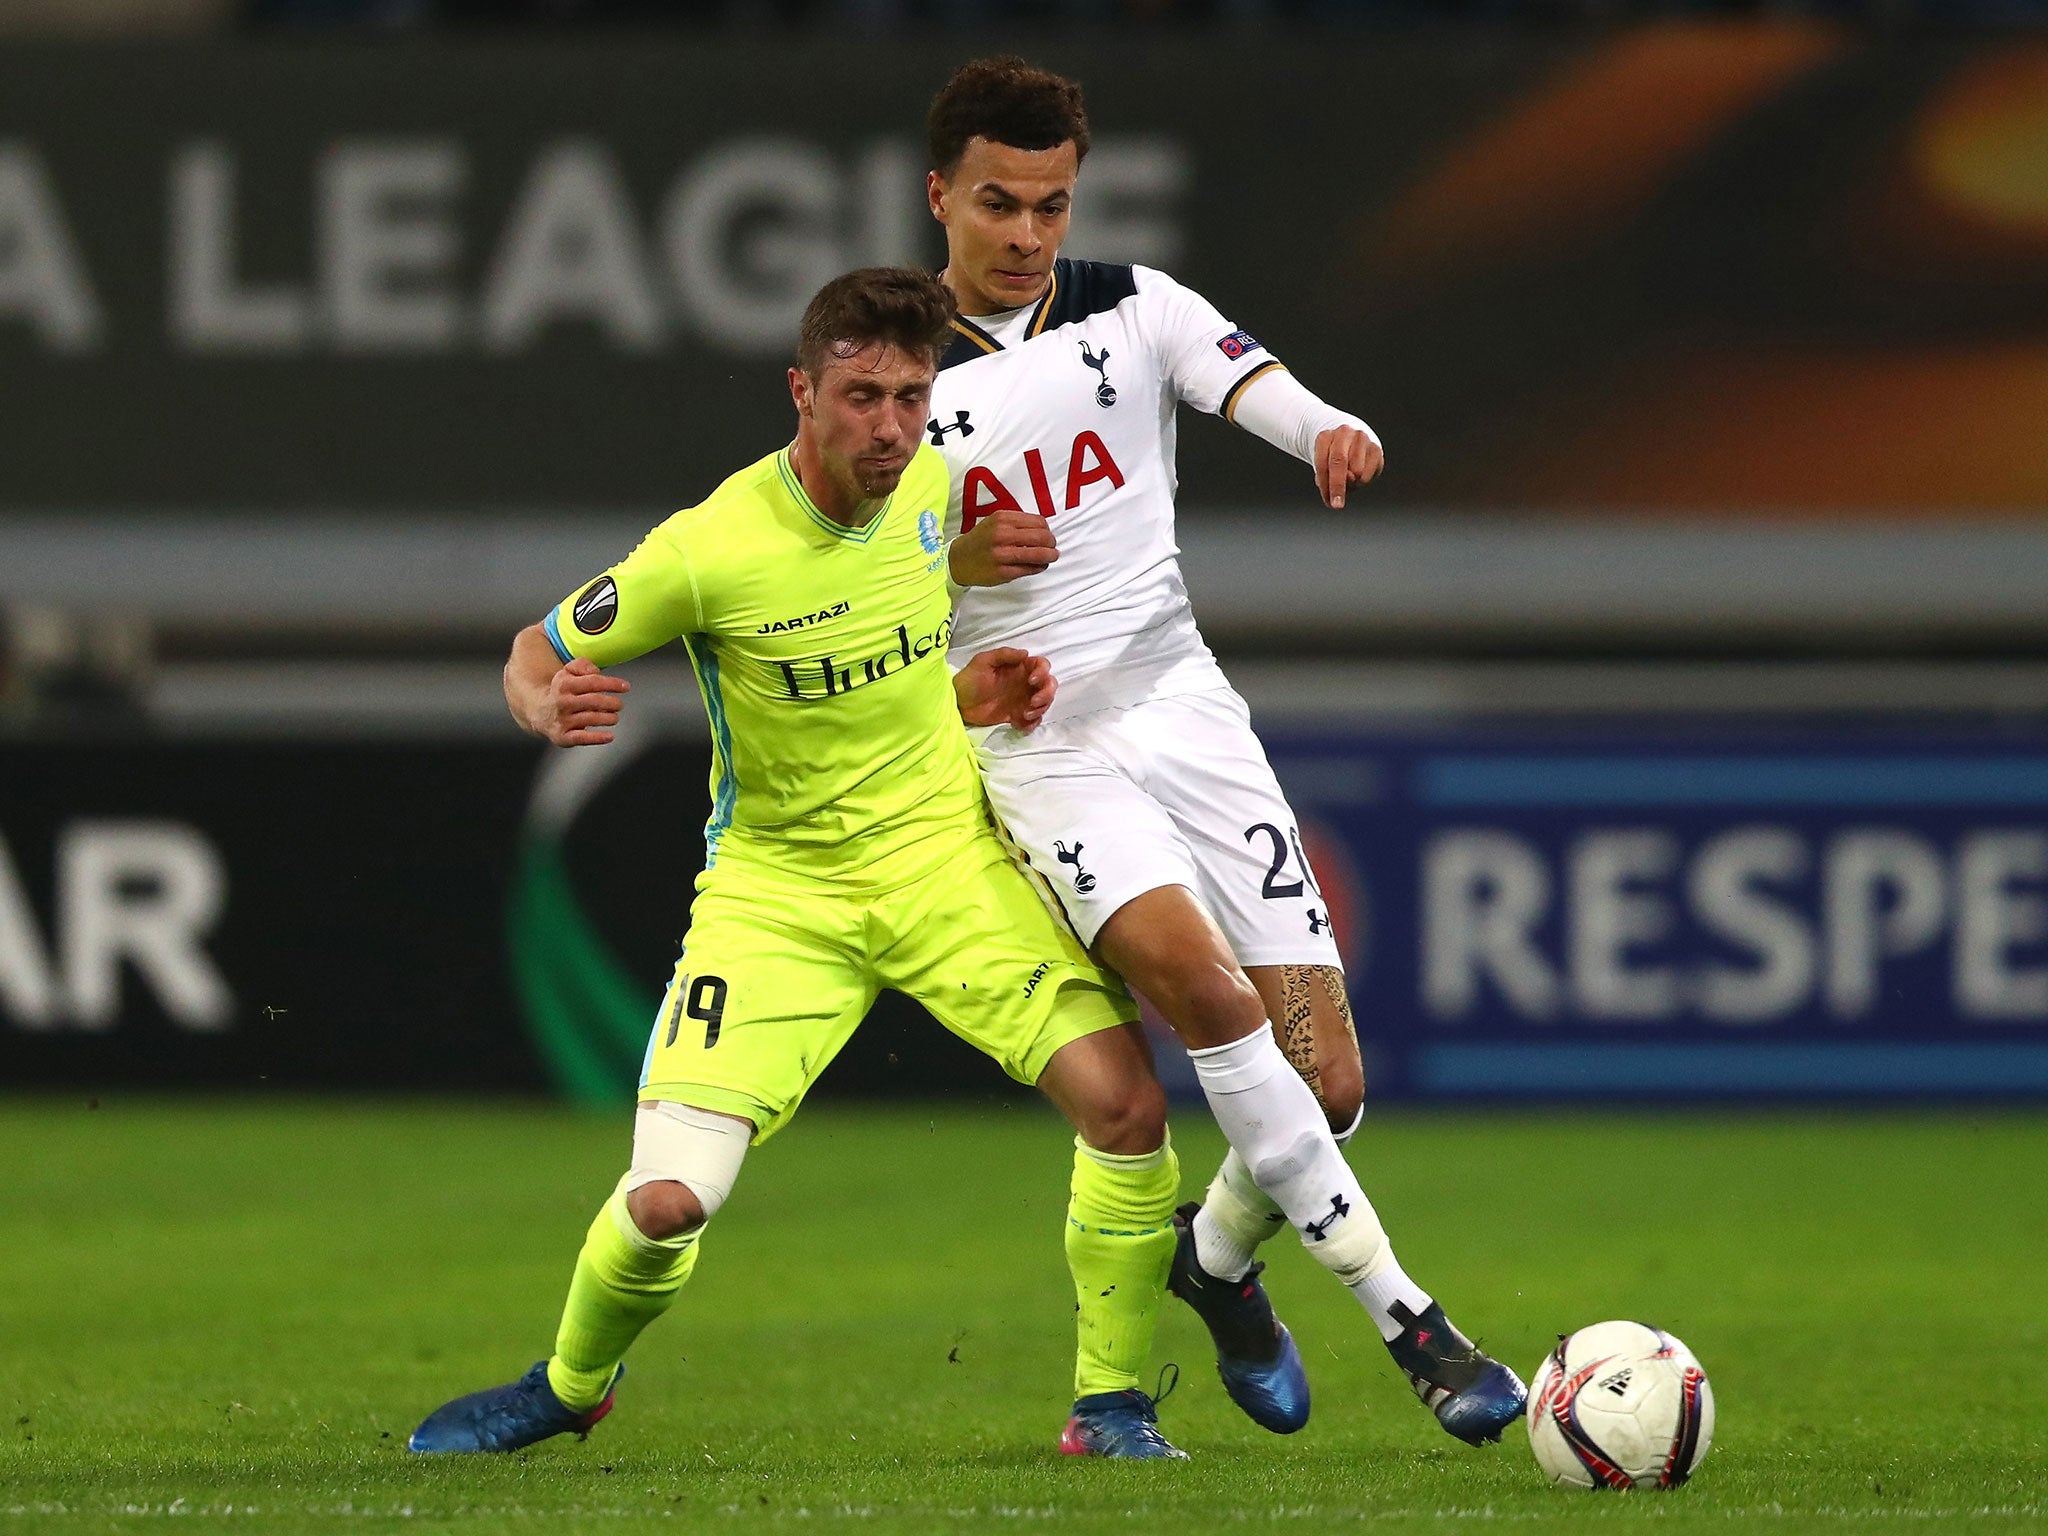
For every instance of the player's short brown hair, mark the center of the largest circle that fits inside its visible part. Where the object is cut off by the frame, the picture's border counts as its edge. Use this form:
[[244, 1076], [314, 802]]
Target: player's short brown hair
[[1005, 101], [902, 306]]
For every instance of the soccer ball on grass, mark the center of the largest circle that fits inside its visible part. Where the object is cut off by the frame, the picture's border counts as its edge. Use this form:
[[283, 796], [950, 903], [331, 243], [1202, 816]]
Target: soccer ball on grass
[[1620, 1405]]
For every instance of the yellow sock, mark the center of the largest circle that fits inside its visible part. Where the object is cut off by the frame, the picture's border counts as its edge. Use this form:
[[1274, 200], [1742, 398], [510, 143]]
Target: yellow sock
[[624, 1280], [1119, 1247]]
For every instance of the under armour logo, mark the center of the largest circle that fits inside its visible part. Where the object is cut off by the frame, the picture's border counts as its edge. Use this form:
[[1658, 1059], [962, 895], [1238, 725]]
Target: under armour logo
[[1316, 921], [1318, 1230], [1105, 392], [960, 424], [1083, 881]]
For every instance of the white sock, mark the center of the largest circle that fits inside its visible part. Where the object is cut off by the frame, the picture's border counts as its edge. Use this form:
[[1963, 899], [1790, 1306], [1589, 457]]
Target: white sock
[[1343, 1137], [1379, 1291], [1277, 1130], [1383, 1287], [1236, 1215]]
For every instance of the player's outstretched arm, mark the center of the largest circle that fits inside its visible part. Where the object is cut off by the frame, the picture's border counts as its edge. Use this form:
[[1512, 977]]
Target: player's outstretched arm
[[1005, 687], [572, 706], [1213, 366], [1001, 547]]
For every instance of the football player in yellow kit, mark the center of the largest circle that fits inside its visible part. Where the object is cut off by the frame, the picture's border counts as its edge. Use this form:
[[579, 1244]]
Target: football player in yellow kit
[[848, 850]]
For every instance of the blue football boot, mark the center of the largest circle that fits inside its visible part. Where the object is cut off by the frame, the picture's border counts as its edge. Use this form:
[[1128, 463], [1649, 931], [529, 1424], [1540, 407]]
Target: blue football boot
[[507, 1418], [1255, 1354], [1472, 1394], [1122, 1424]]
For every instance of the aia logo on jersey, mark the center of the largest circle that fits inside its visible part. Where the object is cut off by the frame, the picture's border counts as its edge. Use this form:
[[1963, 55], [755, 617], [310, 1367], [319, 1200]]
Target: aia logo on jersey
[[1105, 392], [960, 425], [983, 490]]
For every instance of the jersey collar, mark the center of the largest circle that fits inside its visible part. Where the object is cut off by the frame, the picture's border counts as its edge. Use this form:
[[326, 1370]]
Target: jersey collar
[[785, 466], [970, 340]]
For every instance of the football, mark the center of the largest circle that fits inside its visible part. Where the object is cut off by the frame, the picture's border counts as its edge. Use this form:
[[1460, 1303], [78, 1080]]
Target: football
[[1620, 1405]]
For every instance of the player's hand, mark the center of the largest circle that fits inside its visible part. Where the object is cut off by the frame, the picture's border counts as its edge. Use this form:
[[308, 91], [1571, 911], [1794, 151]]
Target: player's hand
[[1001, 547], [1005, 687], [582, 706], [1346, 456]]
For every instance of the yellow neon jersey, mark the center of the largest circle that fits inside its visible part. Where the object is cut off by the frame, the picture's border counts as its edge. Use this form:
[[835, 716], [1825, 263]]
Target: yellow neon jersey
[[821, 653]]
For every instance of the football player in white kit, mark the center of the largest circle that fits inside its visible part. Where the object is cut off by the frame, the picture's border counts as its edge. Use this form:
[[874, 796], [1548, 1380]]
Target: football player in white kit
[[1144, 800]]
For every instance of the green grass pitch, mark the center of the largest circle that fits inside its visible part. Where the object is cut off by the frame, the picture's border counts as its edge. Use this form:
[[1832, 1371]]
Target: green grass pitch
[[233, 1314]]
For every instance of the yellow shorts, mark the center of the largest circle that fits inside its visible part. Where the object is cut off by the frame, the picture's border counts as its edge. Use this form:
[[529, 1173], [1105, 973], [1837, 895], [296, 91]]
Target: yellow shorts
[[777, 972]]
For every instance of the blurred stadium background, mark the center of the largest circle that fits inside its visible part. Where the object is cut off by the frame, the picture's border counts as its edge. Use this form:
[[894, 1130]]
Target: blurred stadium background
[[1669, 725], [1674, 713]]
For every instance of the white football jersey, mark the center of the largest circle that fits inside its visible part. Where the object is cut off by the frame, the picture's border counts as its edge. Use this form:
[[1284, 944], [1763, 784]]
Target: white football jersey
[[1067, 410]]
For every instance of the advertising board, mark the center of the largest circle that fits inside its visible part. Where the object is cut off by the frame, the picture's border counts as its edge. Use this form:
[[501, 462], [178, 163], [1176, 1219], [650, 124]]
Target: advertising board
[[1663, 915]]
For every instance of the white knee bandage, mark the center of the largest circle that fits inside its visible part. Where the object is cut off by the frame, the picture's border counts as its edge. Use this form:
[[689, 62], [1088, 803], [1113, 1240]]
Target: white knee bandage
[[693, 1147]]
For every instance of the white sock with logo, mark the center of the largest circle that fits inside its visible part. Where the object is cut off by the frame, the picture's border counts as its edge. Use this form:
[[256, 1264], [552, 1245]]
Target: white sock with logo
[[1277, 1132], [1236, 1215]]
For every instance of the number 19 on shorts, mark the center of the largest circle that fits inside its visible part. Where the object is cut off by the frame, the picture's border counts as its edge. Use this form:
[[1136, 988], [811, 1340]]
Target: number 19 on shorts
[[703, 999]]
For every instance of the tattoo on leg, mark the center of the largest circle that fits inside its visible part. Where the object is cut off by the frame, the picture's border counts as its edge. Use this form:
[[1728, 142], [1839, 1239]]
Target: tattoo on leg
[[1340, 999], [1296, 1027]]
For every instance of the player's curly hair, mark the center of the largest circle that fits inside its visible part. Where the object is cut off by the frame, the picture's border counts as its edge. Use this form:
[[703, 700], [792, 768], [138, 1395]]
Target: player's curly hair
[[1005, 101], [903, 306]]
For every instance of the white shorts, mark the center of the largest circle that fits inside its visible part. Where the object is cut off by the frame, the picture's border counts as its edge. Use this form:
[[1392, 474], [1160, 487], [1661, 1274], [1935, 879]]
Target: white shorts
[[1176, 791]]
